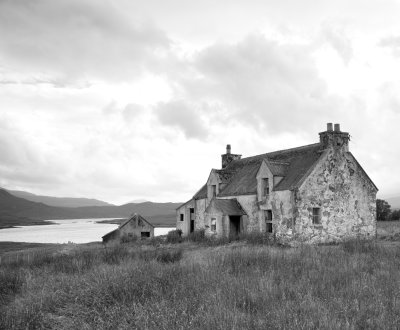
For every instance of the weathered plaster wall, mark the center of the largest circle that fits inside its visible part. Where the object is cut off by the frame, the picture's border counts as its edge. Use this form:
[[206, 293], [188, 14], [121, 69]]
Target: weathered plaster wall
[[201, 205], [219, 222], [250, 222], [346, 197], [280, 203], [185, 224]]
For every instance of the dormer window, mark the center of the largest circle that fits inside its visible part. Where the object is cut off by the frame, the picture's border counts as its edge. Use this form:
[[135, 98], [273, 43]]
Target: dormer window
[[265, 186], [214, 190]]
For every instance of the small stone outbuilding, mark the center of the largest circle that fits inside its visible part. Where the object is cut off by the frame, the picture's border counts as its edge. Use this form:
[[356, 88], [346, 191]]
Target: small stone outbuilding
[[136, 227], [315, 193]]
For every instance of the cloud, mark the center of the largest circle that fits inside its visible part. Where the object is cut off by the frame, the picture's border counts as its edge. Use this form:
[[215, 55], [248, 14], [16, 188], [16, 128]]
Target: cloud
[[393, 43], [257, 82], [75, 40], [182, 115], [337, 38]]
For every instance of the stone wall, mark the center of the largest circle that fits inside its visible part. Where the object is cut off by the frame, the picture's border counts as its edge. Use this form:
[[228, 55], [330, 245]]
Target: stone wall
[[346, 198]]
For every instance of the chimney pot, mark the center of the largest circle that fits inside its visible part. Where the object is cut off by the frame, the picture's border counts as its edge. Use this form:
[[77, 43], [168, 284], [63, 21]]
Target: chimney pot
[[337, 127], [228, 148], [329, 127]]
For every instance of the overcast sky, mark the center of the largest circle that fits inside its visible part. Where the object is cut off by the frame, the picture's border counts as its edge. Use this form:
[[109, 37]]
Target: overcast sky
[[122, 100]]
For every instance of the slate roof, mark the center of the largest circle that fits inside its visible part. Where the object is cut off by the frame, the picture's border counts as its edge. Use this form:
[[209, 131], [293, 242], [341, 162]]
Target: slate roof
[[202, 193], [292, 164], [226, 206]]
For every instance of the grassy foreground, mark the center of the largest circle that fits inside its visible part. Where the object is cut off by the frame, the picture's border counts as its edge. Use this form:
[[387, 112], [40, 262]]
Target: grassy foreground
[[242, 285]]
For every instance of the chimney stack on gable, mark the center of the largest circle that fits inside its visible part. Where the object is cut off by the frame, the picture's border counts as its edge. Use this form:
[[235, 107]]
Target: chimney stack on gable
[[334, 138], [228, 149], [228, 157]]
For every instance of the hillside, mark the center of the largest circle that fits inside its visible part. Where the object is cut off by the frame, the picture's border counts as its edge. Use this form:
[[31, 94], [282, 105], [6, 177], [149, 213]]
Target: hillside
[[25, 211], [58, 201]]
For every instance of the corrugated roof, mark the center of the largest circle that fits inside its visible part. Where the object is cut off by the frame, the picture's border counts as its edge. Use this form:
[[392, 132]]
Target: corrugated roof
[[226, 206]]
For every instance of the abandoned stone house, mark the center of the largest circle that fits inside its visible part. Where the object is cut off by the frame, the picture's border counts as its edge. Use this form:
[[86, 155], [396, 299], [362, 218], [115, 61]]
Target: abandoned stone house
[[136, 227], [314, 193]]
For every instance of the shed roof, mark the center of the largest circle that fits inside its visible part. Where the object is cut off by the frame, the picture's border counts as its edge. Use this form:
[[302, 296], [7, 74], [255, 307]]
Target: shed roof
[[135, 217], [226, 206]]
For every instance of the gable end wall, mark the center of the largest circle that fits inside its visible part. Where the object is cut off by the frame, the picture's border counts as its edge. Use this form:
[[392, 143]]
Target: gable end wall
[[346, 197]]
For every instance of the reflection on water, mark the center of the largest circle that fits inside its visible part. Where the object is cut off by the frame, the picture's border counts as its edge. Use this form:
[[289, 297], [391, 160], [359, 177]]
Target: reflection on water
[[73, 230]]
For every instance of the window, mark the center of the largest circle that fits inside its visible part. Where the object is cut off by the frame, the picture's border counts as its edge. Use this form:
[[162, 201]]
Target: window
[[213, 224], [145, 234], [316, 216], [268, 220], [182, 217], [213, 190], [265, 186]]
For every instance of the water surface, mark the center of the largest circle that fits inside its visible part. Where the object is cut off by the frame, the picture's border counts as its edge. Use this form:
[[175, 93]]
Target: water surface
[[64, 231]]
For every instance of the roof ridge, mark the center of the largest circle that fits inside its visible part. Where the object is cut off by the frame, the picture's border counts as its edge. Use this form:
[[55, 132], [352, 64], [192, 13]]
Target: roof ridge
[[283, 150]]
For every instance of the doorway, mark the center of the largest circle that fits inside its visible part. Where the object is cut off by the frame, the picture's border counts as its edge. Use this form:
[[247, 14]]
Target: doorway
[[234, 225]]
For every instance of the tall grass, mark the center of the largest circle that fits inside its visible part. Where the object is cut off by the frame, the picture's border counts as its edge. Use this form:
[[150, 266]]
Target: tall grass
[[223, 287]]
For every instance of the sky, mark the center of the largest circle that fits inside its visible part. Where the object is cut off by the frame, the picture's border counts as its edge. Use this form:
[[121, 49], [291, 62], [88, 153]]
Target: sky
[[122, 100]]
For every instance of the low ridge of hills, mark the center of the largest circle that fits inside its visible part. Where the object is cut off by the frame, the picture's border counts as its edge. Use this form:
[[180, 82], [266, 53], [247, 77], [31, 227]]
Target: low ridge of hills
[[19, 211], [58, 201]]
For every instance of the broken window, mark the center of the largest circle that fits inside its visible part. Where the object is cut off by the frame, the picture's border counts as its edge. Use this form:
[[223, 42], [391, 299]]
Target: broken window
[[316, 216], [182, 217], [265, 186], [213, 224], [268, 220]]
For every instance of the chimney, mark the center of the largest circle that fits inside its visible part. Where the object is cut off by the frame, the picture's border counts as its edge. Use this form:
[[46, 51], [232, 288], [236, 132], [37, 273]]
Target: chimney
[[228, 149], [228, 157], [335, 138]]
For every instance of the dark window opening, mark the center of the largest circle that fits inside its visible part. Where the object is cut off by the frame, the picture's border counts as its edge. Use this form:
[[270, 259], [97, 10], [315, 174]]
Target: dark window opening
[[265, 183], [213, 224], [214, 191], [191, 220], [268, 220], [182, 217], [316, 216], [145, 234]]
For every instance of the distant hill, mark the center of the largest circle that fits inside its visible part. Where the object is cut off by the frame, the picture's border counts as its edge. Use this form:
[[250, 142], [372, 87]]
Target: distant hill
[[138, 201], [12, 207], [394, 202], [58, 201]]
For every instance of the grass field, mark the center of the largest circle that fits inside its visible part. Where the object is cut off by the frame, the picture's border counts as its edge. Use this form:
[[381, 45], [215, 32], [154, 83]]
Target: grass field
[[241, 285]]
